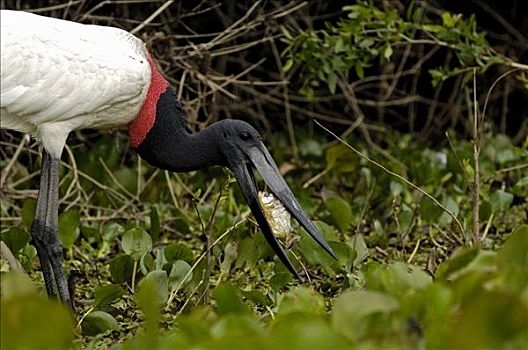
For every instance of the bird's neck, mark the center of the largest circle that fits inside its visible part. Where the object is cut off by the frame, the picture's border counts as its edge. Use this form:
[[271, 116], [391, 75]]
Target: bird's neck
[[169, 145], [160, 136]]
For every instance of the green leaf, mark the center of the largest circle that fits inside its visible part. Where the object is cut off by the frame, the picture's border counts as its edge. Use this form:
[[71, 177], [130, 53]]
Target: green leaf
[[447, 20], [353, 307], [287, 66], [230, 255], [178, 251], [148, 297], [15, 238], [158, 279], [359, 70], [155, 227], [136, 243], [28, 212], [98, 322], [512, 260], [387, 53], [111, 231], [228, 301], [69, 227], [331, 80], [500, 200], [459, 260], [429, 210], [490, 320], [280, 280], [105, 295], [302, 299], [121, 268], [340, 211], [180, 274], [33, 322]]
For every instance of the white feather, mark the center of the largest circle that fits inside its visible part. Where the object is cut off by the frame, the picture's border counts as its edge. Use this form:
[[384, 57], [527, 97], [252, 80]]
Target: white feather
[[58, 76]]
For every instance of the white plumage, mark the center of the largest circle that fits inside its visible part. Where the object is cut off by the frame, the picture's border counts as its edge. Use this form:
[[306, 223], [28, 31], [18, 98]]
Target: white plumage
[[59, 76]]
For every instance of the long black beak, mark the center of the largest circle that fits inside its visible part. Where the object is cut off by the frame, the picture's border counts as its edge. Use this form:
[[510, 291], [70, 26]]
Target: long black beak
[[260, 158]]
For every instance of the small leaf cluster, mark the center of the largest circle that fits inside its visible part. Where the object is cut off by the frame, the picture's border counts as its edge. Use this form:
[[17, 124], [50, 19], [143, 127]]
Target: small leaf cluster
[[368, 36]]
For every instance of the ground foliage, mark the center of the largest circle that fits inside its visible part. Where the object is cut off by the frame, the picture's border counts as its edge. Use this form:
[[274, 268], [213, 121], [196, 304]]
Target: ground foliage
[[160, 260]]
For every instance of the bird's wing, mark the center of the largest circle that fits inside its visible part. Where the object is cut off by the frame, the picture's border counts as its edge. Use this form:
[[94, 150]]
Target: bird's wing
[[60, 71]]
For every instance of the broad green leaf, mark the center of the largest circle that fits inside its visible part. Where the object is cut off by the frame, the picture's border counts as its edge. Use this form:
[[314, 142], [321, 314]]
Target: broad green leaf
[[178, 251], [353, 307], [105, 295], [459, 260], [501, 200], [490, 320], [514, 253], [159, 280], [280, 280], [15, 285], [121, 268], [230, 255], [33, 322], [429, 211], [180, 274], [28, 212], [485, 210], [512, 260], [136, 243], [111, 231], [301, 331], [340, 211], [69, 228], [228, 301], [302, 299], [98, 322], [15, 238]]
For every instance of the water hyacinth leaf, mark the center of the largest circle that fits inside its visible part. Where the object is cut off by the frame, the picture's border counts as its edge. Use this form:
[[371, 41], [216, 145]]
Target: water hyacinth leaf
[[180, 274], [158, 279], [353, 306], [98, 322], [147, 264], [460, 259], [33, 322], [111, 231], [228, 301], [136, 243], [500, 200], [28, 212], [230, 255], [105, 295], [178, 251], [69, 227], [340, 211], [429, 210], [121, 268], [280, 280], [15, 238], [302, 299], [512, 259]]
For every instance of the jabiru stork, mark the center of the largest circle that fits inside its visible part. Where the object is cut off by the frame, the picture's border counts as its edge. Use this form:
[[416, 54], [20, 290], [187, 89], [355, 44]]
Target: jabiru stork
[[58, 76]]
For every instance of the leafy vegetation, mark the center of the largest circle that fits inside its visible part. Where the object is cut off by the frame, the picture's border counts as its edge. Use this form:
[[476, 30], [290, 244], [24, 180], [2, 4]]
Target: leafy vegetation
[[160, 260]]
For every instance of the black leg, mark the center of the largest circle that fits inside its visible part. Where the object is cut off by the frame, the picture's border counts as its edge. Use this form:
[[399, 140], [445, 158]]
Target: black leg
[[45, 230]]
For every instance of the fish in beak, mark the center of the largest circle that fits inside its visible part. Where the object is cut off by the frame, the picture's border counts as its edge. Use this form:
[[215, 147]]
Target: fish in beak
[[250, 153]]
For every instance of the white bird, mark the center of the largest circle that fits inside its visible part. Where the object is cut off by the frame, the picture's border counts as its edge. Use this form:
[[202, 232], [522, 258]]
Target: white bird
[[58, 76]]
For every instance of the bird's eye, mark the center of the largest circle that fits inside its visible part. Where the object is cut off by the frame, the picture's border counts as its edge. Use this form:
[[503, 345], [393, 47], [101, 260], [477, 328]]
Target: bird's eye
[[244, 135]]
